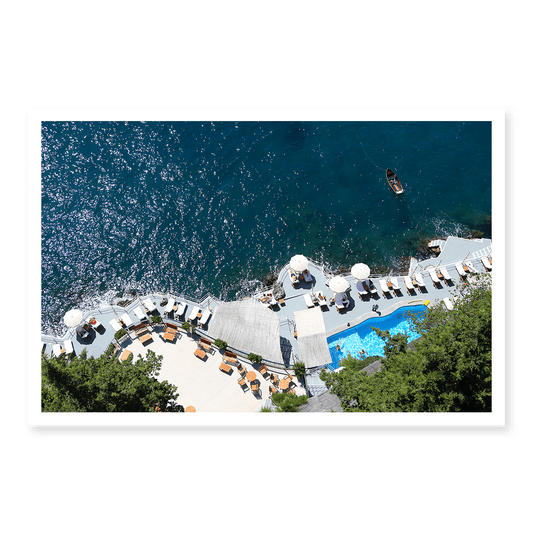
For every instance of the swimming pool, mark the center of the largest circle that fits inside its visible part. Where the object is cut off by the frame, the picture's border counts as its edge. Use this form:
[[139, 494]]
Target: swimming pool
[[362, 336]]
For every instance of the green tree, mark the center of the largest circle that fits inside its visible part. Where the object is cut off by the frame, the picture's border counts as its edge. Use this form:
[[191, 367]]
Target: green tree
[[448, 369], [299, 369], [104, 384], [288, 403]]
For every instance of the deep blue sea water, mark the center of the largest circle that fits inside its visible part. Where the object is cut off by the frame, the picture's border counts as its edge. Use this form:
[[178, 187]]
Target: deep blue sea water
[[214, 206]]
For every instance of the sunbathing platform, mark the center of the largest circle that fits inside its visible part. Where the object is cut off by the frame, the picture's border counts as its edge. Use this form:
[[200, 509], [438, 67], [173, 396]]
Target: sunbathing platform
[[270, 327]]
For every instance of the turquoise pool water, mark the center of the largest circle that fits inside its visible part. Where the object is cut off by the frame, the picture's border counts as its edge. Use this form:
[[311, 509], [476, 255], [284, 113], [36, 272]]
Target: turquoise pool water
[[361, 337]]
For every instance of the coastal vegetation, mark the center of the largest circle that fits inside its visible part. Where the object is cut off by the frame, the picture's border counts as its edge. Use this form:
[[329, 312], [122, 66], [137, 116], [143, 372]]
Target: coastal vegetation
[[448, 369], [103, 384], [288, 403]]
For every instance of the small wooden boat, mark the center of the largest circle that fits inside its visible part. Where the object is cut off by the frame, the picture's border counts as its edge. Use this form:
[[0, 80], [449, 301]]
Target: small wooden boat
[[394, 182]]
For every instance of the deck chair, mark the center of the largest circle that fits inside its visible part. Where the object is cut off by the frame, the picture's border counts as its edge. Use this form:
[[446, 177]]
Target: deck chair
[[471, 267], [433, 275], [384, 289], [289, 377], [141, 315], [420, 279], [169, 306], [294, 278], [460, 270], [272, 390], [128, 322], [486, 264], [274, 378], [149, 305], [448, 303], [181, 309], [193, 315], [115, 325], [57, 350], [339, 304], [361, 289], [408, 284], [395, 285], [254, 387], [68, 347], [447, 276], [308, 300], [264, 371], [242, 383], [241, 370], [205, 317]]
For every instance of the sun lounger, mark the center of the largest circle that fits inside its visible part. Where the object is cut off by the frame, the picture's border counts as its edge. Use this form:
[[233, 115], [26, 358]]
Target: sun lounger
[[193, 314], [308, 300], [82, 332], [444, 272], [471, 267], [205, 317], [169, 306], [395, 285], [433, 275], [408, 283], [384, 289], [307, 276], [339, 304], [149, 305], [126, 320], [420, 279], [68, 347], [361, 289], [57, 350], [448, 303], [294, 278], [141, 315], [486, 263], [181, 309], [460, 270], [115, 325]]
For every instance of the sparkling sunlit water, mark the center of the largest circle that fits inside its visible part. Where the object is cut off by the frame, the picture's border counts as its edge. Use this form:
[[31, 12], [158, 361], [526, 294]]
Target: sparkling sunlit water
[[214, 206]]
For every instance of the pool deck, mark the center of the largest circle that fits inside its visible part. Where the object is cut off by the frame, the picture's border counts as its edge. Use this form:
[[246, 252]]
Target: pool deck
[[453, 250]]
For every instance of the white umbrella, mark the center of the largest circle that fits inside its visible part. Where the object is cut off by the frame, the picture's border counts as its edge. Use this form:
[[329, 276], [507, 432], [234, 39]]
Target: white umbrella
[[360, 271], [299, 263], [73, 318], [339, 284]]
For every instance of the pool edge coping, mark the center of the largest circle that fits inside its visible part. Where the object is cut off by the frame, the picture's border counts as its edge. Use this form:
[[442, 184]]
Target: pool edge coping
[[372, 314]]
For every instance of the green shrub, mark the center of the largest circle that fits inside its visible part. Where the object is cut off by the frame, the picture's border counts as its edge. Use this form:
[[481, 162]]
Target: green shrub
[[219, 343], [156, 319], [186, 326], [299, 369], [288, 403], [120, 333], [254, 358]]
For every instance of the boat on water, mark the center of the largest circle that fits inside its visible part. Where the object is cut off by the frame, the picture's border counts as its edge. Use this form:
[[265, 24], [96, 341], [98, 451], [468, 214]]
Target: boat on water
[[394, 182]]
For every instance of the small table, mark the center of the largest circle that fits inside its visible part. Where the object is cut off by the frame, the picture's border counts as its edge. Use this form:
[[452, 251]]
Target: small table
[[190, 409], [199, 353], [284, 384], [225, 368], [251, 376]]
